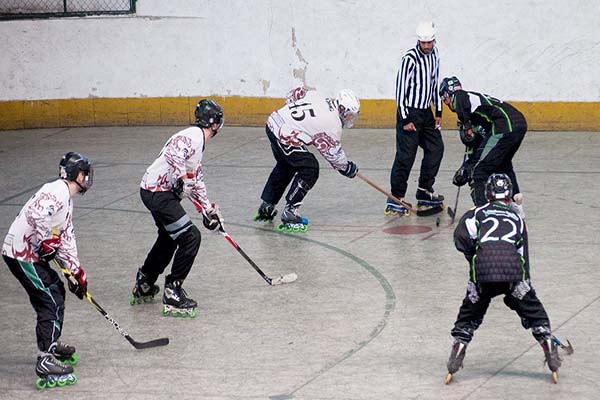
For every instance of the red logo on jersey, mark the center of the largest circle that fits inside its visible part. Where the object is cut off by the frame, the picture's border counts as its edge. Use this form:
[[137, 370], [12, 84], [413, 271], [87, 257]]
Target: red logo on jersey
[[324, 143]]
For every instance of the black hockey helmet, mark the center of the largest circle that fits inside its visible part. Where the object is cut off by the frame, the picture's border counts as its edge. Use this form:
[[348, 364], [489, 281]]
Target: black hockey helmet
[[498, 187], [207, 113], [71, 164], [449, 85]]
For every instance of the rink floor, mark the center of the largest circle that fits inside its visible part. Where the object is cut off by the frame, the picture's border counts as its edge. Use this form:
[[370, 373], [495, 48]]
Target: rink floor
[[370, 314]]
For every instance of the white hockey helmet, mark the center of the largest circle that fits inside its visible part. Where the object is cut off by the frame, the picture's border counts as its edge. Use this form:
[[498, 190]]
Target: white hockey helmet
[[348, 107], [426, 31]]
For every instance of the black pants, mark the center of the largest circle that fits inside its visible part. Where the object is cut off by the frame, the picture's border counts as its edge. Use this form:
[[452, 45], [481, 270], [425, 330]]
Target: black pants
[[177, 235], [47, 296], [495, 155], [470, 316], [293, 163], [407, 144]]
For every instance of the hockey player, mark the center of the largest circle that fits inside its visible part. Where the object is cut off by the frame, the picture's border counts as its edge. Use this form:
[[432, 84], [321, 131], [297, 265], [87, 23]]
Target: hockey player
[[493, 238], [177, 173], [307, 118], [492, 130], [416, 126], [43, 231]]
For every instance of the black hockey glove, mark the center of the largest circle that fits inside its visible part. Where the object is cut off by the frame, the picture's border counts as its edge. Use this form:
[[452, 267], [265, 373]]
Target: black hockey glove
[[350, 170], [461, 176], [212, 218]]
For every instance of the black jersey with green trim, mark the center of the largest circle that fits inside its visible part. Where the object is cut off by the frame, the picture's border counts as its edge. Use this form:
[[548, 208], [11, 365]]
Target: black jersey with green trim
[[494, 115]]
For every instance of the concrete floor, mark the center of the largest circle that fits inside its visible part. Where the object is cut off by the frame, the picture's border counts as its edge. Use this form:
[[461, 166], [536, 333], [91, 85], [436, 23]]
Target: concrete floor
[[370, 314]]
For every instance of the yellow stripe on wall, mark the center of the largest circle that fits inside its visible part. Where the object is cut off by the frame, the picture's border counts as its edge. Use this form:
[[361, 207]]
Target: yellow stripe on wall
[[253, 111]]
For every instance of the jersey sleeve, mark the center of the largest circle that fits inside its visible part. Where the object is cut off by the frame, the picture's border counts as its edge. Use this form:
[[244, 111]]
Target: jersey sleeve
[[404, 76], [331, 149], [176, 152], [67, 252], [465, 235], [199, 192], [462, 105]]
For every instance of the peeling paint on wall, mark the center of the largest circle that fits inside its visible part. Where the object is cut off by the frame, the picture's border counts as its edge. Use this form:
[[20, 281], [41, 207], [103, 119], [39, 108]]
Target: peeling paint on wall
[[299, 73], [265, 85]]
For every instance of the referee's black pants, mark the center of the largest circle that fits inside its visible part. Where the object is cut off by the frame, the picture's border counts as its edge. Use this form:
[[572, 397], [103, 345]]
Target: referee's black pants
[[407, 144]]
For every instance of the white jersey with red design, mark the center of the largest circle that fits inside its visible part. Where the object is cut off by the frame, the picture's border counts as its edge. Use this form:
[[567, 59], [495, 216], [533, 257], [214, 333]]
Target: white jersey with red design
[[180, 157], [310, 118], [49, 212]]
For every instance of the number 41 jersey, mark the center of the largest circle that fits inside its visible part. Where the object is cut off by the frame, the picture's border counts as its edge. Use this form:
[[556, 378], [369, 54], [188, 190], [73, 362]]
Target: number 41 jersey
[[493, 238], [309, 118]]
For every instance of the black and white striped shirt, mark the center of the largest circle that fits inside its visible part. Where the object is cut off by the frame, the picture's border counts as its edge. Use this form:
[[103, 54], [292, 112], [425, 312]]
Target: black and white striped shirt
[[417, 81]]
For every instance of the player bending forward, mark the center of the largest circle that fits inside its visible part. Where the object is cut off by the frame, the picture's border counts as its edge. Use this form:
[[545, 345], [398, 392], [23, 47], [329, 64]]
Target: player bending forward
[[307, 118], [43, 231], [493, 238], [177, 173]]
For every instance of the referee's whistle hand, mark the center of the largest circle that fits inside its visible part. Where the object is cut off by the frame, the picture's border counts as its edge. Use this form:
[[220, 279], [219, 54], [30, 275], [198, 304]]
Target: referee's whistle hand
[[409, 127]]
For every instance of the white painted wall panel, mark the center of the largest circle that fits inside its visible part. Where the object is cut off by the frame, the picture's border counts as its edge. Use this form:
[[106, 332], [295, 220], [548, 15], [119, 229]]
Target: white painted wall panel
[[525, 50]]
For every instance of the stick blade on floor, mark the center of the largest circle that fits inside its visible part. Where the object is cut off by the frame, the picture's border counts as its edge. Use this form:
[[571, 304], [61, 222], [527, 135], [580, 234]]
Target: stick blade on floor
[[149, 344]]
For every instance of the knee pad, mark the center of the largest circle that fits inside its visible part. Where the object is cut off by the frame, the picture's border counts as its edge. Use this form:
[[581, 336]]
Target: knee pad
[[299, 189], [540, 332], [191, 237], [462, 334]]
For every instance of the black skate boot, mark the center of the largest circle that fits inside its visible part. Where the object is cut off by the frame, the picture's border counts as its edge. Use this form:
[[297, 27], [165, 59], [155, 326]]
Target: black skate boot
[[429, 202], [176, 303], [393, 208], [266, 212], [551, 357], [455, 362], [65, 353], [291, 220], [53, 372], [143, 291]]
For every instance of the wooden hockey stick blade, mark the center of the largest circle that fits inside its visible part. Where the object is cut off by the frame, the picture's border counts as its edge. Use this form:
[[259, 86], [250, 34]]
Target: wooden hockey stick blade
[[149, 344], [389, 195]]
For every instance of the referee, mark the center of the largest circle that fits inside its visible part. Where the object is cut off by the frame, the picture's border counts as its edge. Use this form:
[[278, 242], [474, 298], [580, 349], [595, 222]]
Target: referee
[[416, 89]]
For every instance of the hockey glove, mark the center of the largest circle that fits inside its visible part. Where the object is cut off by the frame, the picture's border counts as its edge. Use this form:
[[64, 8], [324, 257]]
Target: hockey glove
[[461, 177], [185, 185], [77, 283], [466, 136], [48, 248], [212, 218], [350, 171]]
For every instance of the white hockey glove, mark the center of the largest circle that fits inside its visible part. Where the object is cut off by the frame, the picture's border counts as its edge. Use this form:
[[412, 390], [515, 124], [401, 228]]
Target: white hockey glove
[[212, 218]]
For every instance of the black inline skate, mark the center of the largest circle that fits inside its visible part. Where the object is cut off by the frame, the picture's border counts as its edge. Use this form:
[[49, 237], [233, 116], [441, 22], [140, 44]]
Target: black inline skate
[[455, 362], [266, 212], [143, 291], [292, 221], [176, 303], [429, 202], [52, 372], [64, 352]]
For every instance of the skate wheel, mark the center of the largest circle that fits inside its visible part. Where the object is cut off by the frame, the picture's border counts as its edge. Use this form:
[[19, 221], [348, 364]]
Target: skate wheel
[[390, 212], [40, 383], [74, 359], [50, 382], [72, 379], [554, 376], [165, 312], [193, 314], [62, 381], [448, 378]]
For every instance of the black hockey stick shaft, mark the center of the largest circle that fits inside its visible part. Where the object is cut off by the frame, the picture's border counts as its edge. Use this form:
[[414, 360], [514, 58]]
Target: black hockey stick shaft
[[109, 318], [236, 246], [453, 212]]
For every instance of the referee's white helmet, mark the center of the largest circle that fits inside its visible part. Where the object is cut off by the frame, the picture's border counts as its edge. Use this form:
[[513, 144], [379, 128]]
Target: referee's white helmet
[[426, 31]]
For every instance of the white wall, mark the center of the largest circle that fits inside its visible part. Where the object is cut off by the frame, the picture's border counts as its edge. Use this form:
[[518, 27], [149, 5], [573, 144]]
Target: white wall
[[525, 50]]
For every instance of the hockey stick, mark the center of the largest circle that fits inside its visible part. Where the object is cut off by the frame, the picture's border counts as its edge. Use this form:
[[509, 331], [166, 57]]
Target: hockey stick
[[109, 318], [568, 349], [451, 212], [288, 278], [420, 213]]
